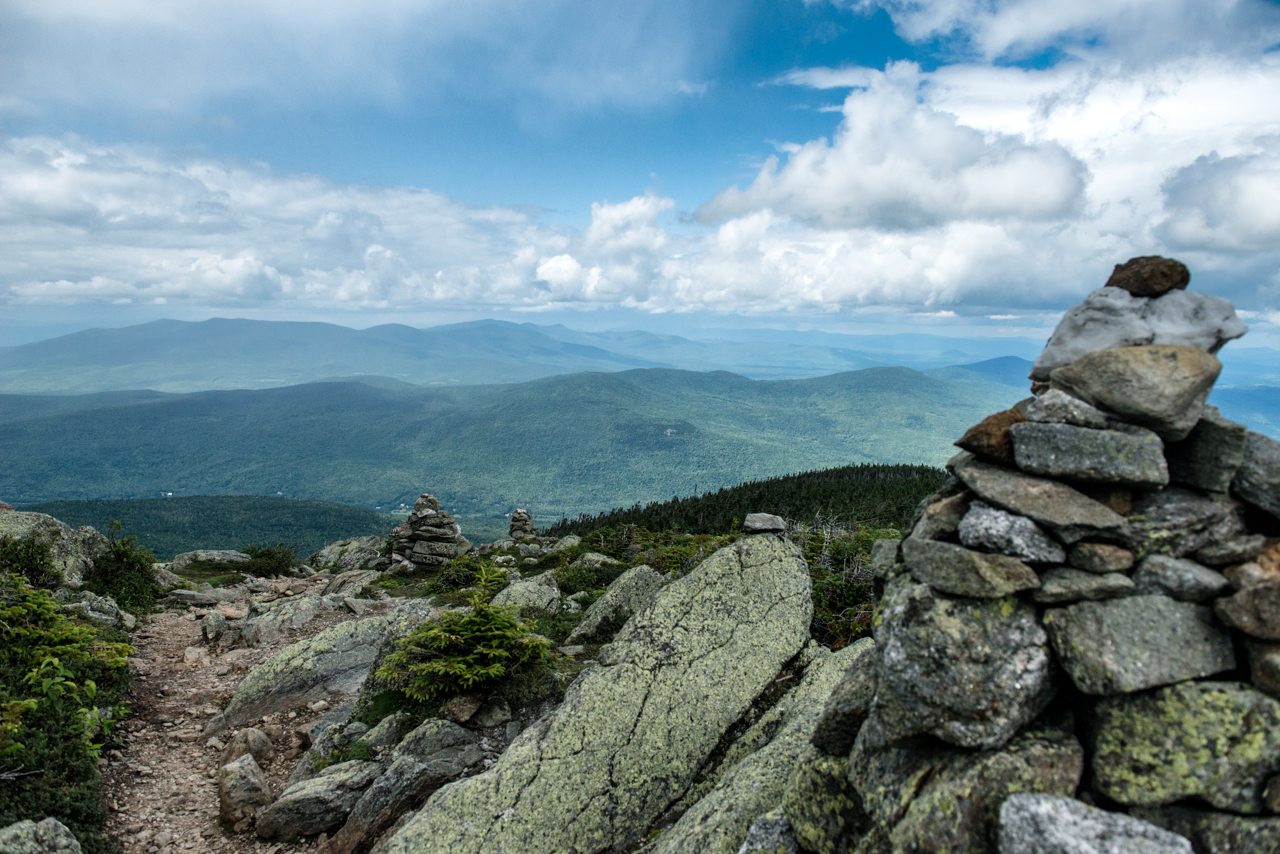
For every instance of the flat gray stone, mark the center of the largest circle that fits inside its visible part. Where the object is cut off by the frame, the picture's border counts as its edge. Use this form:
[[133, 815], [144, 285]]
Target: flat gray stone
[[1122, 645], [770, 834], [1211, 454], [953, 569], [1237, 549], [350, 583], [1217, 742], [990, 529], [1099, 557], [1160, 387], [1057, 407], [1178, 522], [632, 733], [969, 671], [1111, 317], [182, 561], [628, 593], [49, 836], [1258, 478], [764, 523], [1090, 456], [1062, 584], [1069, 514], [1181, 579], [1051, 824], [320, 804]]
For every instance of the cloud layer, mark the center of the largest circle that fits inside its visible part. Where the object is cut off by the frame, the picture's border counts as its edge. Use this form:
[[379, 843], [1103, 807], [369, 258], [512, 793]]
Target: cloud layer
[[977, 187]]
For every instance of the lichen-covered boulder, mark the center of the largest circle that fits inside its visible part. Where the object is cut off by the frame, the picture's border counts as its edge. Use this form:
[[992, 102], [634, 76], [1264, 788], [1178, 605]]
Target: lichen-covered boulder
[[821, 804], [49, 836], [535, 594], [929, 798], [251, 741], [357, 553], [632, 732], [969, 671], [1051, 824], [72, 551], [774, 747], [182, 561], [1123, 645], [319, 804], [102, 610], [628, 593], [350, 583], [334, 661], [1218, 742], [267, 621]]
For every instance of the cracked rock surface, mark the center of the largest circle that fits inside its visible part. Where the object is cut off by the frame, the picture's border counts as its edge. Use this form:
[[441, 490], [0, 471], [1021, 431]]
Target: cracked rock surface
[[632, 733]]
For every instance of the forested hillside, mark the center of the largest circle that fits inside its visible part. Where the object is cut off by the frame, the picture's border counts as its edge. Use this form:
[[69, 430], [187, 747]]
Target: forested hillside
[[560, 446]]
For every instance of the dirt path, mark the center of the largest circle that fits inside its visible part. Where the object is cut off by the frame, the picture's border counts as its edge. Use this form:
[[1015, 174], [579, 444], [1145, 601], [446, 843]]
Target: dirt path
[[161, 787]]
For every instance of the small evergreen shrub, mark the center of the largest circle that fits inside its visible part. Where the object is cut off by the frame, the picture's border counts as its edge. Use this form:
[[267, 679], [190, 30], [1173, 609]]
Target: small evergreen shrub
[[268, 562], [125, 573], [31, 558], [60, 685], [461, 650]]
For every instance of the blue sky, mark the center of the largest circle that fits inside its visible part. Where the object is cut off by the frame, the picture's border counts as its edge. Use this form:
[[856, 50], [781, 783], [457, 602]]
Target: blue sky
[[967, 167]]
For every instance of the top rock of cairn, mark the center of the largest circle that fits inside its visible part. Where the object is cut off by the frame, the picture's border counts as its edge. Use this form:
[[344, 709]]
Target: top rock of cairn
[[1077, 594]]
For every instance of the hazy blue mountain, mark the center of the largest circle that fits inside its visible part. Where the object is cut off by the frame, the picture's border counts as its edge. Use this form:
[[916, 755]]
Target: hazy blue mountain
[[1006, 370], [177, 356], [919, 350], [567, 444], [171, 355]]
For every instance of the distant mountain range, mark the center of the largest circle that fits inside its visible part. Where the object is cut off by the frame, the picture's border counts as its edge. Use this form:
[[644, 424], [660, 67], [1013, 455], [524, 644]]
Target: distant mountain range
[[177, 356], [568, 444]]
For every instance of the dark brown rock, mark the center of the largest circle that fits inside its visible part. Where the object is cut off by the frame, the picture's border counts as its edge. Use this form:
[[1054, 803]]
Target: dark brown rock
[[990, 437], [1150, 276], [1255, 610]]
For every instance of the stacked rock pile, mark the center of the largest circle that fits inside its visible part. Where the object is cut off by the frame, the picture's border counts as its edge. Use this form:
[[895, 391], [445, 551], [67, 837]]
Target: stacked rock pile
[[521, 525], [1086, 615], [429, 537]]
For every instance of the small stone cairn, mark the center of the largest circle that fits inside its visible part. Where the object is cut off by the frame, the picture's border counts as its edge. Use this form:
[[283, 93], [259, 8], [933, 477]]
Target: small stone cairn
[[429, 537], [521, 525], [1086, 615]]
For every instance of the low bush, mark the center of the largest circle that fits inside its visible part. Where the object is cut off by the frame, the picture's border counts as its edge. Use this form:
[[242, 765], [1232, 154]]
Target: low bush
[[268, 562], [30, 557], [125, 573], [466, 649], [60, 686]]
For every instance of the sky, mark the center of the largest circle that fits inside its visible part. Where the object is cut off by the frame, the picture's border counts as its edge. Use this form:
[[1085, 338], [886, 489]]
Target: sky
[[961, 166]]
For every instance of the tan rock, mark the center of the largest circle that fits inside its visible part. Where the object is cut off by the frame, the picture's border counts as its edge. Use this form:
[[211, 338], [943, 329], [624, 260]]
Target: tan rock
[[1162, 387], [1254, 610]]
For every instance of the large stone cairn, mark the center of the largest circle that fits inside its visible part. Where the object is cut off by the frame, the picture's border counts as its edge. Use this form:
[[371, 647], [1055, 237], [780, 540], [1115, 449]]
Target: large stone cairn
[[1087, 614], [521, 525], [430, 536]]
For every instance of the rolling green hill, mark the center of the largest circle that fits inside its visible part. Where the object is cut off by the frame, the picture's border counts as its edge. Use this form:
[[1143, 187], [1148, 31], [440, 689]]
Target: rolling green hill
[[170, 526], [563, 445]]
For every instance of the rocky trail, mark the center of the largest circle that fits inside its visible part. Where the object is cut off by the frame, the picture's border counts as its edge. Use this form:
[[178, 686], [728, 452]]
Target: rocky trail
[[161, 786]]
